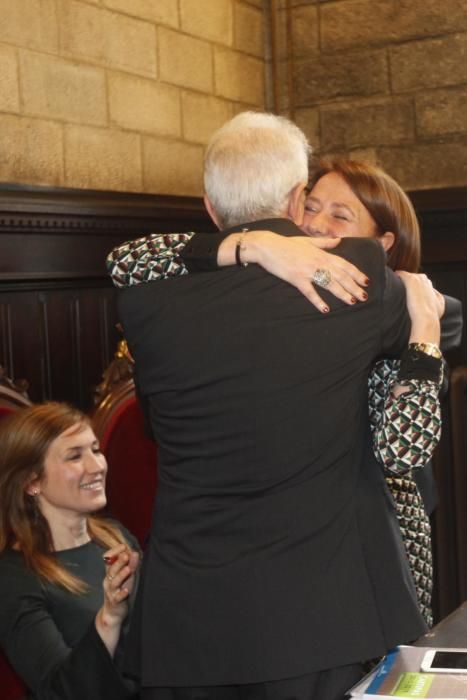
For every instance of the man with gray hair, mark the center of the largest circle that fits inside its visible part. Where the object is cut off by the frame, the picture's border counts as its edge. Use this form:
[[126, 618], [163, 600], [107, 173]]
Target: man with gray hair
[[253, 165], [275, 564]]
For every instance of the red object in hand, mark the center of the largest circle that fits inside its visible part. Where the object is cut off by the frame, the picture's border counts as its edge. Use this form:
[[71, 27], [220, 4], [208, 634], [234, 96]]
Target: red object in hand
[[110, 560]]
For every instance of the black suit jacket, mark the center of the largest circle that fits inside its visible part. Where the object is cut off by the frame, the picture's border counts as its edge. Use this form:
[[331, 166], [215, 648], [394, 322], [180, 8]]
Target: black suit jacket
[[200, 255], [275, 550]]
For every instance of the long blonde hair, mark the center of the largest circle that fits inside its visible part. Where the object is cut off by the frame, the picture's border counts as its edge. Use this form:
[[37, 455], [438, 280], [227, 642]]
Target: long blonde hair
[[25, 437]]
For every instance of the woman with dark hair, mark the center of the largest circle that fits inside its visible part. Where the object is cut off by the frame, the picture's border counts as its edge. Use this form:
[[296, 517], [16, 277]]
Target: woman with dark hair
[[66, 575], [346, 198], [394, 221]]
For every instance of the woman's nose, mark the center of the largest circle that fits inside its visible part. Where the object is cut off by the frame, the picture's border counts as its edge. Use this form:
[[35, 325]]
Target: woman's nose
[[317, 224], [95, 462]]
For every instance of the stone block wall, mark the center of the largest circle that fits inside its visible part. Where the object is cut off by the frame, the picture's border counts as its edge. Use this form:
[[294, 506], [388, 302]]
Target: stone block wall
[[123, 94], [382, 79]]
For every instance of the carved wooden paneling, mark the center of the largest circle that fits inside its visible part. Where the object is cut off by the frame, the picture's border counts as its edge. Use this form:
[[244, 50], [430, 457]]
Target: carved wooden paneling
[[59, 338], [57, 306]]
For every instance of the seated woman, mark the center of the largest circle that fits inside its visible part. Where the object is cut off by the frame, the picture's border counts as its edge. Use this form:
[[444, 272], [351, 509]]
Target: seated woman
[[66, 576], [346, 199]]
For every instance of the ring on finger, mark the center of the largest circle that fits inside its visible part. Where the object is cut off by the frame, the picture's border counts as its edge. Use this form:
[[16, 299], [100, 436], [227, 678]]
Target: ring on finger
[[322, 277], [110, 577]]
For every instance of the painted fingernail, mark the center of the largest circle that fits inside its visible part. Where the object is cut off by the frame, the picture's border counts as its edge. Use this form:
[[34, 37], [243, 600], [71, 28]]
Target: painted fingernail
[[353, 300], [366, 281], [325, 309], [364, 296], [110, 560]]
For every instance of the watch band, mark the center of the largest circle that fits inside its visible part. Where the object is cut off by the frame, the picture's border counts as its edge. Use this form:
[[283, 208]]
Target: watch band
[[430, 349], [419, 365]]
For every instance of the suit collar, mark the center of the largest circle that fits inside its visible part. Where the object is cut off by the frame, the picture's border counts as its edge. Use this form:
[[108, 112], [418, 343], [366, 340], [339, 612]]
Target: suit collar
[[284, 227]]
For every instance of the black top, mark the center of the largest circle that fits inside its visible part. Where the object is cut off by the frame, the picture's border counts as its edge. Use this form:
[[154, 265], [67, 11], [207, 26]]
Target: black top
[[48, 633]]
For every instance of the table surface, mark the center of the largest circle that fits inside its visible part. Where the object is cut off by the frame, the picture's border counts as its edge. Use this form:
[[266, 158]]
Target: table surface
[[450, 632]]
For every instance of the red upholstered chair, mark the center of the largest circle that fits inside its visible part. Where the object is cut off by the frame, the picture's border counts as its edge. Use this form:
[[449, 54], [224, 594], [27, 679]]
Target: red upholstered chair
[[131, 456], [12, 397], [11, 687]]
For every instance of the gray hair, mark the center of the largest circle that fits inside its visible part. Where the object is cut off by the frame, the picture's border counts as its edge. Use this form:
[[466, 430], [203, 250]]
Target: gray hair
[[252, 164]]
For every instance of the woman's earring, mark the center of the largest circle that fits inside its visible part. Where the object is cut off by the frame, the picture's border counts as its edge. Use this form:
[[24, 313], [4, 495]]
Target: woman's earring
[[35, 492]]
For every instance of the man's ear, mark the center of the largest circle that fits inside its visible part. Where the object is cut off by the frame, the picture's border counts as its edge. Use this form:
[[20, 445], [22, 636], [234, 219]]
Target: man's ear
[[211, 211], [296, 204], [387, 240]]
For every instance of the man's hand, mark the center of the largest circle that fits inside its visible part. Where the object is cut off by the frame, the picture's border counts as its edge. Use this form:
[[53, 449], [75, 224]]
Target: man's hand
[[295, 260]]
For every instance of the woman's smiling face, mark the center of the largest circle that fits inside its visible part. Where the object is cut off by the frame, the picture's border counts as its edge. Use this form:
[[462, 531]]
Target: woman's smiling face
[[332, 210], [74, 474]]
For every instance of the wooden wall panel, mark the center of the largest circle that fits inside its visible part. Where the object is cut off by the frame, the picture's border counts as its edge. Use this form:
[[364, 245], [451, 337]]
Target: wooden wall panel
[[60, 340], [444, 233], [57, 306]]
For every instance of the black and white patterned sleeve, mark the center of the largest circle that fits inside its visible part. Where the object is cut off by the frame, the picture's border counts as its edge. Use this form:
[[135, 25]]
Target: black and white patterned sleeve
[[149, 258], [407, 428]]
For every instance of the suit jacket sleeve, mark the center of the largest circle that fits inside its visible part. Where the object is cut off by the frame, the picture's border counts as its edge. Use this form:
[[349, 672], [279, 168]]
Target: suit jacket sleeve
[[451, 324], [395, 325]]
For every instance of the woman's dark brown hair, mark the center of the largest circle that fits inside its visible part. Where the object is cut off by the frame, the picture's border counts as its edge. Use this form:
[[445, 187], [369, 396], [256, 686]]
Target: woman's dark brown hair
[[385, 201], [25, 438]]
